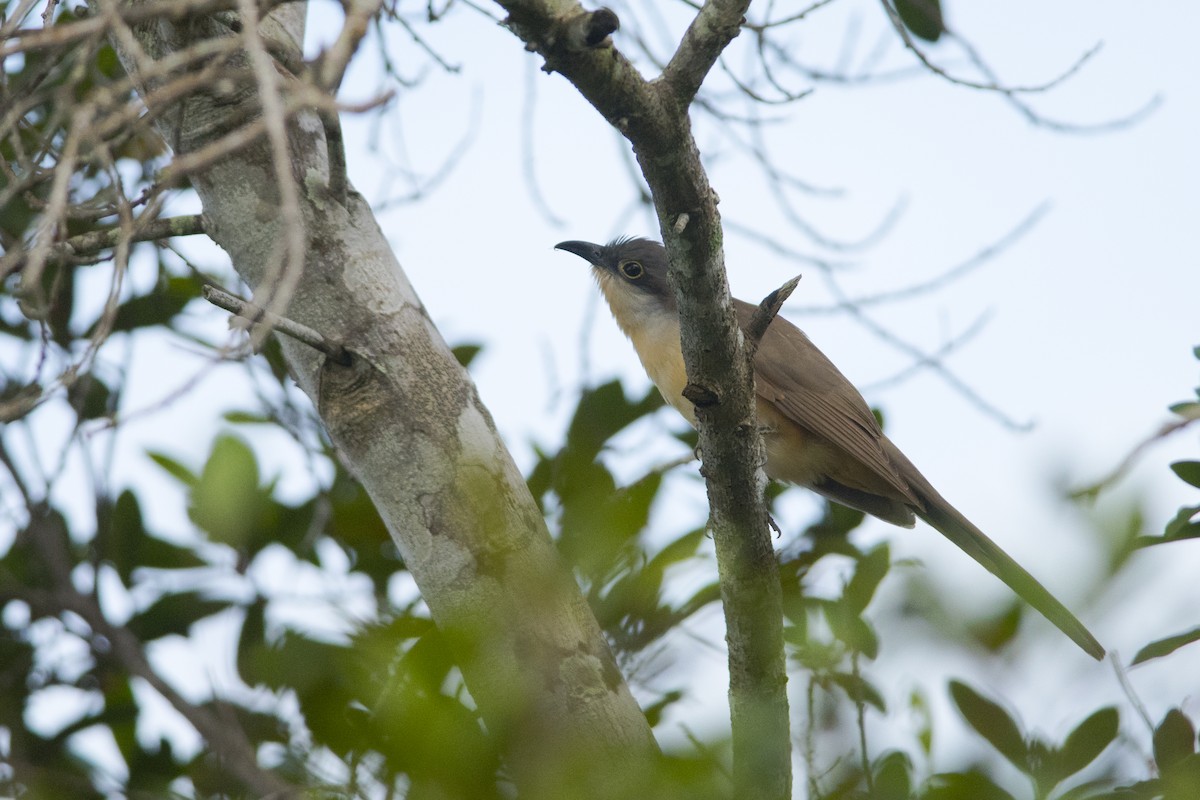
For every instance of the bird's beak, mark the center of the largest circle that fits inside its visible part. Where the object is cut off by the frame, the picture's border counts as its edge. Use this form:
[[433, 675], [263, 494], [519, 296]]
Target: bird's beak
[[589, 252]]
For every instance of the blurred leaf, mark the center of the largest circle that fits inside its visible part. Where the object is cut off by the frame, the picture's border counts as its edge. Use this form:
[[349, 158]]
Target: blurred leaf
[[173, 614], [870, 570], [1182, 780], [1188, 410], [859, 690], [90, 397], [1174, 739], [465, 353], [1086, 742], [1189, 471], [851, 629], [253, 659], [158, 307], [355, 524], [918, 704], [247, 418], [923, 18], [655, 710], [1165, 646], [128, 545], [963, 786], [227, 501], [996, 631], [272, 351], [893, 776], [151, 771], [992, 723], [1179, 528], [602, 413], [174, 468]]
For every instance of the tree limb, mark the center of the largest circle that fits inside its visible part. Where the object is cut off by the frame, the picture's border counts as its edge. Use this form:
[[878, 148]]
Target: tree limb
[[653, 116]]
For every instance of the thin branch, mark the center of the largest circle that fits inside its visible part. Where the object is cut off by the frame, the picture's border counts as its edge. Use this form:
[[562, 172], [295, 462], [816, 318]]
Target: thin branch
[[1118, 472], [1012, 93], [765, 314], [258, 316], [938, 368], [942, 279], [936, 357], [529, 130], [331, 64], [96, 241], [56, 36], [1034, 117], [718, 22], [992, 85]]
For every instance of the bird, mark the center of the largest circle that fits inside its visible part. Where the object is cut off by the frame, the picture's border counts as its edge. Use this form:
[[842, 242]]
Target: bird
[[818, 431]]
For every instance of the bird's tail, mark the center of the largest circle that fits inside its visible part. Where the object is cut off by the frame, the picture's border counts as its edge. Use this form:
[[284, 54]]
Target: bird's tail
[[958, 529]]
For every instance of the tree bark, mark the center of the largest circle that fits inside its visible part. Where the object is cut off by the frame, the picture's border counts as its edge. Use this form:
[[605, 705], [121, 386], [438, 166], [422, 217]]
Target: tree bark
[[407, 420]]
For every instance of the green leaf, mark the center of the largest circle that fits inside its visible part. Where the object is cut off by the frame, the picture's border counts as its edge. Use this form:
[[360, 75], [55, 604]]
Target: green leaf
[[867, 576], [963, 786], [602, 413], [893, 776], [173, 614], [173, 468], [1174, 739], [1087, 741], [247, 418], [1189, 471], [90, 397], [992, 723], [859, 690], [922, 17], [654, 711], [227, 501], [1181, 526], [465, 353], [158, 307], [1188, 410], [851, 629], [1182, 780], [1165, 646], [129, 546]]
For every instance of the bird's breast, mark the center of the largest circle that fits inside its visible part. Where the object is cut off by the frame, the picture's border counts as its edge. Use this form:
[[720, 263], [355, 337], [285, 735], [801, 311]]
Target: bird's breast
[[657, 345]]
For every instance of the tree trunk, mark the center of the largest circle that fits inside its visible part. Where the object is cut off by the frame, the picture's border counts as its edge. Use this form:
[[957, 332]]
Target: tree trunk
[[404, 416]]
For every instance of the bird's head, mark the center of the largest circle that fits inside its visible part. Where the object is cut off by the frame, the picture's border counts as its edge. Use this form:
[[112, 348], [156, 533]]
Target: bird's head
[[632, 274]]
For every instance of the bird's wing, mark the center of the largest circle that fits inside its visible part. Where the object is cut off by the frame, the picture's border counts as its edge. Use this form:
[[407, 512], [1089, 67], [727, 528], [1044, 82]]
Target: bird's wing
[[797, 378]]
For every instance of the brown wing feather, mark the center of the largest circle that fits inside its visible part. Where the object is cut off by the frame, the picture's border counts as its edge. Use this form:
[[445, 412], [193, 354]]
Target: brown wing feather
[[795, 377]]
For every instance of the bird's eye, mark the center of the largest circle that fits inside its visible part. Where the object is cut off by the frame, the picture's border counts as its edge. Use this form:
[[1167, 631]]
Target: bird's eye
[[632, 270]]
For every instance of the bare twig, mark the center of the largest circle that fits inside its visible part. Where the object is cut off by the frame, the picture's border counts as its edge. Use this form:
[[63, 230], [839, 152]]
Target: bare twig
[[942, 279], [258, 315], [765, 314], [1118, 472], [528, 147], [938, 356], [991, 85], [718, 22], [331, 64], [938, 368], [55, 36], [97, 241]]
